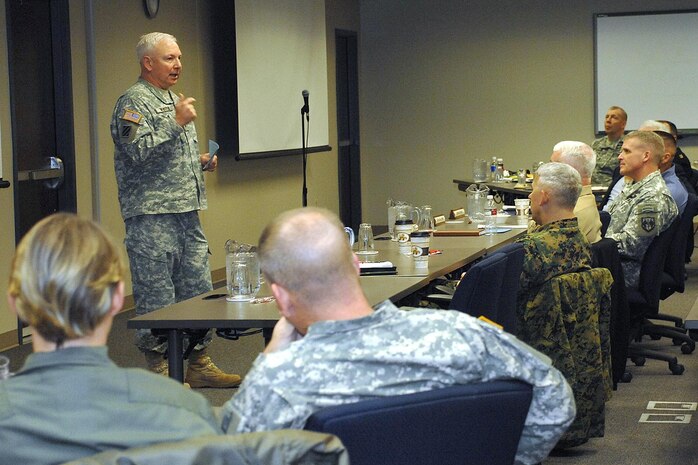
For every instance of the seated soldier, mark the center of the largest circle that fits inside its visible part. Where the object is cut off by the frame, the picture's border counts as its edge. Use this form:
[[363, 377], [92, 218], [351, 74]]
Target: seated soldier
[[330, 347], [70, 400]]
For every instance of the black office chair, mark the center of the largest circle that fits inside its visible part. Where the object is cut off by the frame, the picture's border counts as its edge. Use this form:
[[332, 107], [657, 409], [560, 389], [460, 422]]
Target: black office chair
[[506, 313], [605, 218], [478, 424], [478, 293], [605, 255], [644, 300], [673, 280]]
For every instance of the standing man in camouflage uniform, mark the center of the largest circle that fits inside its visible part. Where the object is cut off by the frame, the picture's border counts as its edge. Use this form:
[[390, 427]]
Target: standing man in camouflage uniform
[[159, 172], [608, 147], [644, 207], [330, 347]]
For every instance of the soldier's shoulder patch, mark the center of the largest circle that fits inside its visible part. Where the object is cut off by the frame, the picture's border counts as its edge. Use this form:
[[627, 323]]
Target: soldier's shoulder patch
[[648, 223], [132, 116]]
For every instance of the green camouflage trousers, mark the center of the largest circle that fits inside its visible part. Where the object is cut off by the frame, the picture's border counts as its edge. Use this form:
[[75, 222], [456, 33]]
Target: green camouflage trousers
[[168, 256]]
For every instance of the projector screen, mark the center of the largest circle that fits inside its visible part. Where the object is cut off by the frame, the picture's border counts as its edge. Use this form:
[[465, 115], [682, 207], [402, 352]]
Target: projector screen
[[280, 51], [647, 64]]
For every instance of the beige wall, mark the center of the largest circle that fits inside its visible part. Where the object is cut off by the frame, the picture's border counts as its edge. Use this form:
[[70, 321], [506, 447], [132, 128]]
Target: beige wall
[[445, 81], [242, 196]]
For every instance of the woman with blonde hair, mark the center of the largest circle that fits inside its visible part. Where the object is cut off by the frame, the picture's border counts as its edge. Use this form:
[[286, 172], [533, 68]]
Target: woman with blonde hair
[[70, 400]]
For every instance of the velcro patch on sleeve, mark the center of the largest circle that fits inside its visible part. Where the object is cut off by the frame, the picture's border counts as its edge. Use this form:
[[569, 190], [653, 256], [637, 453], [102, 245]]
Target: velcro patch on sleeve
[[132, 116]]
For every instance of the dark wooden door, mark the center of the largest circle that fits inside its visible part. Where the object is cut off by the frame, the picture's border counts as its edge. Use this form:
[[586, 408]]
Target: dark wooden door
[[41, 111]]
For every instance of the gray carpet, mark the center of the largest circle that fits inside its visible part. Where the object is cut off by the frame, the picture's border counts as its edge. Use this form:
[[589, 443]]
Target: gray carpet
[[627, 441]]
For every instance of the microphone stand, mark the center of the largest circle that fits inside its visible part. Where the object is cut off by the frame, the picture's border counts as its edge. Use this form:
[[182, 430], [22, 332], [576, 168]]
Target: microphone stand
[[304, 111]]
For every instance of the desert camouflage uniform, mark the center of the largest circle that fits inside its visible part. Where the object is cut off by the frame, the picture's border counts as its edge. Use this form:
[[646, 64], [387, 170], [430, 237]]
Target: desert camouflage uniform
[[161, 188], [606, 160], [641, 211], [394, 352]]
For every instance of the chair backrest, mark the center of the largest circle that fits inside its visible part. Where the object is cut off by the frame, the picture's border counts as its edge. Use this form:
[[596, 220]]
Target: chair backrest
[[478, 292], [675, 264], [478, 424], [605, 255], [605, 218], [645, 299], [272, 447], [506, 313]]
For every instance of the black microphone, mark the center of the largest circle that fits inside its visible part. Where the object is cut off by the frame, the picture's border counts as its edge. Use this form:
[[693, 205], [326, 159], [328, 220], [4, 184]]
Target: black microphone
[[306, 108]]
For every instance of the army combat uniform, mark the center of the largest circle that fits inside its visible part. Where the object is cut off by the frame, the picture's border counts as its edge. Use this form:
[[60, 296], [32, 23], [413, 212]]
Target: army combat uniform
[[161, 189], [75, 402], [606, 160], [640, 212], [393, 352]]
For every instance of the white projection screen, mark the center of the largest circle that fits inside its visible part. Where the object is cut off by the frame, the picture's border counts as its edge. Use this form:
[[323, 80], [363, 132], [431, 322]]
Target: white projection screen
[[647, 63], [281, 51]]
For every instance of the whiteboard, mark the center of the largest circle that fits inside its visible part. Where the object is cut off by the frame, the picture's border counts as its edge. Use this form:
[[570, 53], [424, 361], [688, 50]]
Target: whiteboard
[[281, 51], [647, 63]]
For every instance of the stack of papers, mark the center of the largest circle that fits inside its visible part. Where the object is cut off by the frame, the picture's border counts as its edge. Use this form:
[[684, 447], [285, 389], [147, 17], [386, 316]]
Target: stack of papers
[[377, 268]]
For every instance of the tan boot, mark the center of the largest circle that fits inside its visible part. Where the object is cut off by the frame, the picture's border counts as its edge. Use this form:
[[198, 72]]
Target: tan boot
[[202, 373], [156, 363]]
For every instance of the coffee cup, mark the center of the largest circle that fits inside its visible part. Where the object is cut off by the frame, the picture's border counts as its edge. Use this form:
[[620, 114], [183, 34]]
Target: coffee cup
[[522, 210], [403, 229], [420, 248]]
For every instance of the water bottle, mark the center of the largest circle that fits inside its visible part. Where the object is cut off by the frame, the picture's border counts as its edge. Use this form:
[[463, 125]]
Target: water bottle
[[490, 216], [499, 172], [493, 169]]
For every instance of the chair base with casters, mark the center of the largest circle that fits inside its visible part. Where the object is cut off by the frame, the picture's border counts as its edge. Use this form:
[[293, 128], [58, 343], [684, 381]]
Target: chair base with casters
[[478, 424]]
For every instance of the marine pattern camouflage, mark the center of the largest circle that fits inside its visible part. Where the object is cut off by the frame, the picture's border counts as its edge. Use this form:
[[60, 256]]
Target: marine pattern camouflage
[[568, 319], [156, 160], [606, 160], [640, 212], [168, 256], [394, 352], [552, 249]]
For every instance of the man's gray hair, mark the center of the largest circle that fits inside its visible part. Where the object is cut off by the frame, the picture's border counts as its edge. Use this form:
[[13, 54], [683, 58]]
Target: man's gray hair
[[654, 125], [149, 41], [561, 181], [578, 155]]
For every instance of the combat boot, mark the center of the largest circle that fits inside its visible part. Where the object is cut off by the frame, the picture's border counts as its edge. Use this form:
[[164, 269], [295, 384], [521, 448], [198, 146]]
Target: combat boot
[[202, 373], [156, 362]]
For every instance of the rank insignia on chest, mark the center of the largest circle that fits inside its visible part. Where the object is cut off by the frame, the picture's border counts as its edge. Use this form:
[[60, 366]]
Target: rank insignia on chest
[[648, 223], [132, 116]]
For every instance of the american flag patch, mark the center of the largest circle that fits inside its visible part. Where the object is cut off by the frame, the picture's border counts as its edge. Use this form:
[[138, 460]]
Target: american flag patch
[[132, 116]]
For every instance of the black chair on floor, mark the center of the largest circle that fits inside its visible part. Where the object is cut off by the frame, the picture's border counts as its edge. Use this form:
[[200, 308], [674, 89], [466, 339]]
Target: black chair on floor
[[673, 279], [478, 293], [644, 300], [605, 255], [605, 218], [506, 314], [478, 424]]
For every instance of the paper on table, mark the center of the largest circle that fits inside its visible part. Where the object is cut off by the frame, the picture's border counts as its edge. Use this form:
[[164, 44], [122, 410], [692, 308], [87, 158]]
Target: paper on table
[[386, 264], [212, 150]]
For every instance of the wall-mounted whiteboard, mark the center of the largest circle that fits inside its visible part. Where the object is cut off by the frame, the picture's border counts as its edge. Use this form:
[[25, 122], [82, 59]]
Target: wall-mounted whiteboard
[[280, 51], [647, 63]]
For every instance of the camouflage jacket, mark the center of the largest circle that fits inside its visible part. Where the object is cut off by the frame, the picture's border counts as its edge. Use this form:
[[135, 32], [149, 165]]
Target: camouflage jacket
[[640, 212], [552, 249], [606, 160], [393, 352], [155, 159]]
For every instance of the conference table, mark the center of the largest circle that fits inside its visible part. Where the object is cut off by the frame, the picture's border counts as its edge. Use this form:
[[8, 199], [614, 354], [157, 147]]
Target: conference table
[[212, 310]]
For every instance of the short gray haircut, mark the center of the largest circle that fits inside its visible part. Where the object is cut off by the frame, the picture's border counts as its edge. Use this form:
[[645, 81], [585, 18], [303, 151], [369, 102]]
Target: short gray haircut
[[654, 125], [561, 181], [148, 42], [578, 155]]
